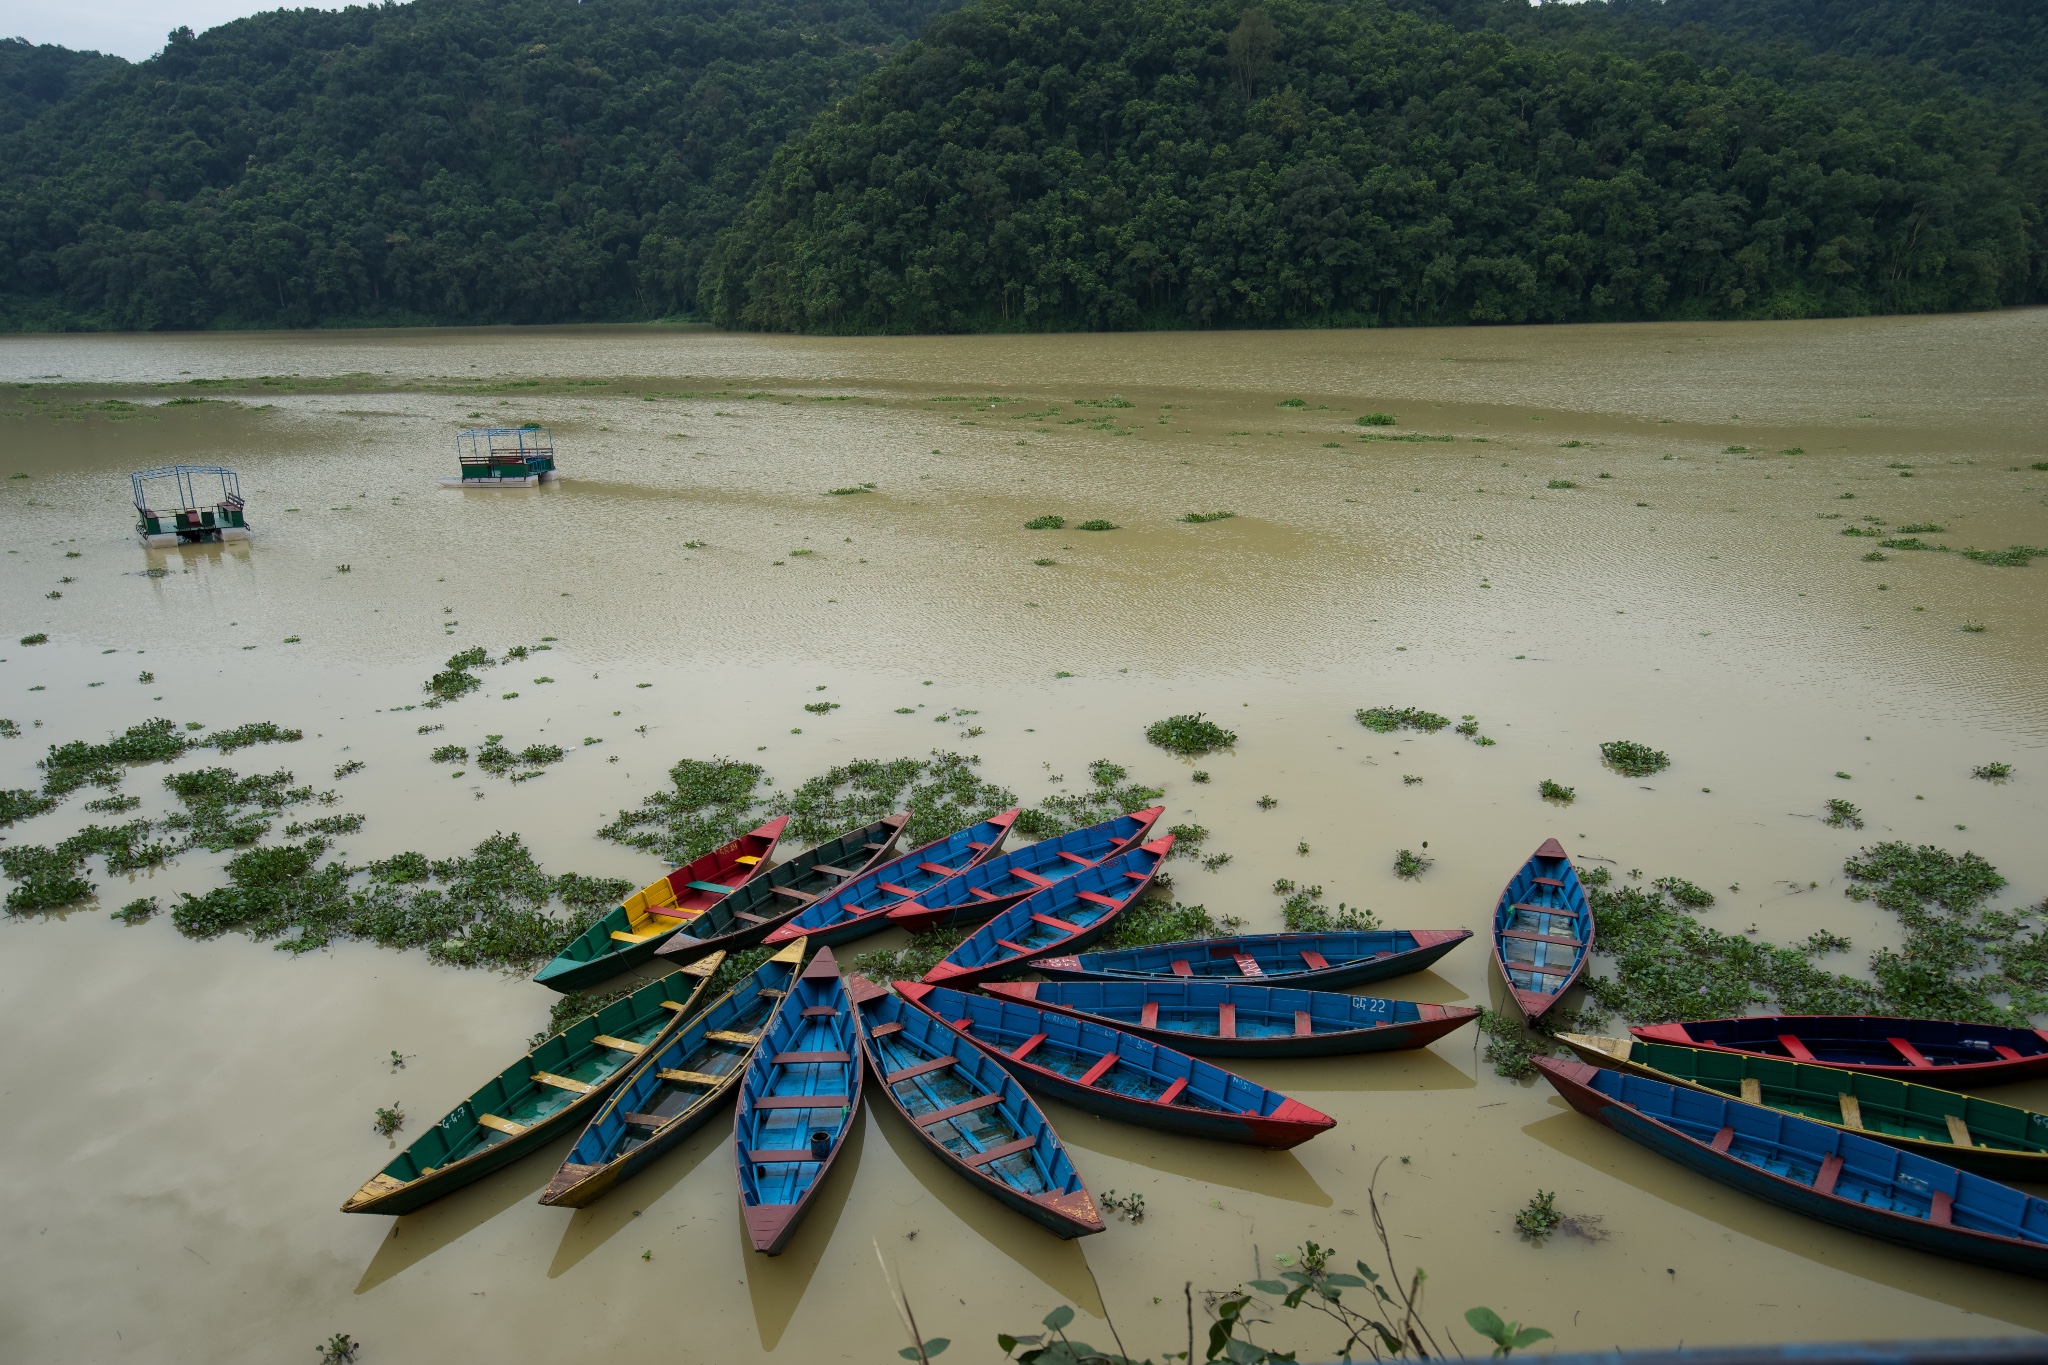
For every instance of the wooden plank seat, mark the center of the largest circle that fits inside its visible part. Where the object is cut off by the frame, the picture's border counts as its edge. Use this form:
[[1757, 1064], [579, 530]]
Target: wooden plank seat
[[884, 1030], [1181, 967], [723, 1035], [982, 895], [619, 936], [1138, 876], [819, 1012], [1172, 1092], [1027, 1047], [1076, 858], [2011, 1054], [563, 1082], [1248, 965], [749, 859], [1723, 1139], [761, 1156], [677, 1005], [715, 888], [1315, 960], [980, 1159], [792, 893], [1032, 877], [954, 1111], [1014, 947], [1304, 1026], [1532, 937], [1057, 925], [669, 1073], [1958, 1131], [1941, 1209], [1106, 902], [1912, 1054], [1791, 1043], [801, 1102], [835, 871], [811, 1058], [1100, 1069], [1226, 1021], [752, 919], [505, 1126], [644, 1120], [1548, 881], [1830, 1171], [619, 1044], [936, 869], [1148, 1017], [921, 1068], [893, 889]]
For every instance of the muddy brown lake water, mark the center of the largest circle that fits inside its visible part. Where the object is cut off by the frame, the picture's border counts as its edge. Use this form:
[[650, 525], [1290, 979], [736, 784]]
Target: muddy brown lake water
[[183, 1118]]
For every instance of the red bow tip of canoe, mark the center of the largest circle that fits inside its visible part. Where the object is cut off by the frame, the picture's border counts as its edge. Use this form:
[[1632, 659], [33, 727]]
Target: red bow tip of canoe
[[945, 971], [824, 967], [1161, 846], [1077, 1208], [1430, 938], [913, 991], [861, 990], [1026, 991], [767, 1224], [1292, 1111], [1665, 1033], [773, 829], [1551, 849], [1534, 1003]]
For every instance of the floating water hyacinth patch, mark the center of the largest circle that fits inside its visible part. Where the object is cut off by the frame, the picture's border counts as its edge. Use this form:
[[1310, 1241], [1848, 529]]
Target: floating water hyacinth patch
[[1387, 719], [1376, 419], [1046, 523], [1190, 734], [1557, 792], [1631, 759], [1201, 518], [1844, 815], [1097, 525]]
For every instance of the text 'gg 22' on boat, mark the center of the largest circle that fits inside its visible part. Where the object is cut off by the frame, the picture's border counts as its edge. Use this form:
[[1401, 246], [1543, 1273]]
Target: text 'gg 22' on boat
[[798, 1101], [1066, 915], [766, 903], [1116, 1075], [971, 1112], [1930, 1051], [1318, 961], [1998, 1140], [1228, 1019], [1542, 930], [536, 1099], [629, 933], [981, 893], [676, 1087], [1837, 1177], [861, 906]]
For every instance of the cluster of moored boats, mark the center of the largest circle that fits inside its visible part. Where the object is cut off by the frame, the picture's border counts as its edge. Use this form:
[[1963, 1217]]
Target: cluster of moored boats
[[1122, 1033]]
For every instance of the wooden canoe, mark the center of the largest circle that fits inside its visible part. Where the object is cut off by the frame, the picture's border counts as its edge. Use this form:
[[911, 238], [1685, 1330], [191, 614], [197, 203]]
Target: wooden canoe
[[799, 1099], [1542, 930], [1930, 1051], [629, 933], [1998, 1140], [981, 893], [1226, 1019], [1840, 1178], [536, 1099], [673, 1089], [971, 1113], [1116, 1075], [1067, 915], [766, 903], [861, 906], [1318, 961]]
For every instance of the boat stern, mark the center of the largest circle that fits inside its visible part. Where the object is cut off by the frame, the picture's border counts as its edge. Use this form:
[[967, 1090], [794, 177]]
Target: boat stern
[[1026, 991], [1071, 1215], [575, 1186], [376, 1190], [1574, 1081], [1292, 1124]]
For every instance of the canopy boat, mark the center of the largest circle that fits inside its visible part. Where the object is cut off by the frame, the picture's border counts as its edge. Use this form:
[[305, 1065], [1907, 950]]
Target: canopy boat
[[1838, 1177], [1998, 1140], [1067, 915], [1933, 1051], [1542, 930], [1225, 1019], [798, 1100], [629, 934], [188, 504], [674, 1089], [503, 457], [768, 902], [971, 1112], [1321, 961], [1115, 1075], [861, 906], [981, 893], [537, 1098]]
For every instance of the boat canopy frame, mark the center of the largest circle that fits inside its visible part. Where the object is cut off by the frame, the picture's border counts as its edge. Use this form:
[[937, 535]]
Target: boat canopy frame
[[186, 477]]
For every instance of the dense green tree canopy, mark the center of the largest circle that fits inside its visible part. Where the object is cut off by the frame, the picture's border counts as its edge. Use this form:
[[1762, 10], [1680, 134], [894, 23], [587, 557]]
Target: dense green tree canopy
[[445, 161], [34, 79], [1124, 163]]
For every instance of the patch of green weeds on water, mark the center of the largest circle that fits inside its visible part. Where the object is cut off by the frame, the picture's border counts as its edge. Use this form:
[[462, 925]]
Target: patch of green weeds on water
[[456, 681], [1553, 791], [71, 766], [1189, 735], [924, 952], [1908, 543], [1157, 919], [20, 803], [1844, 815], [113, 805], [1304, 913], [709, 802], [1920, 528], [1048, 522], [1539, 1217], [1109, 794], [1560, 483], [224, 811], [45, 878], [942, 792], [139, 911], [1202, 518], [1992, 772], [1385, 720], [2018, 557], [1507, 1044], [1958, 957], [256, 732], [1409, 865], [1631, 759], [1376, 419], [1097, 525], [1187, 840]]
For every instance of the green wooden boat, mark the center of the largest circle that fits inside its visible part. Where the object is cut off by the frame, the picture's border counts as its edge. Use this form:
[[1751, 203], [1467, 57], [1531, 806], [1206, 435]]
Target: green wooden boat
[[1997, 1140], [545, 1093]]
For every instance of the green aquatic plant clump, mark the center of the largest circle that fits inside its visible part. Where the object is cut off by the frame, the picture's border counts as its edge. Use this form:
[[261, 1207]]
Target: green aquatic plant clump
[[1097, 524], [942, 792], [1049, 522], [1409, 865], [1157, 919], [1539, 1217], [1191, 735], [1960, 958], [709, 802], [1304, 913], [256, 732], [20, 803], [224, 810], [45, 878], [924, 952], [1507, 1044], [1376, 419], [1385, 720], [1992, 772], [74, 765], [1109, 794], [1557, 792], [1203, 518], [456, 681], [1844, 815], [2017, 557], [1631, 759]]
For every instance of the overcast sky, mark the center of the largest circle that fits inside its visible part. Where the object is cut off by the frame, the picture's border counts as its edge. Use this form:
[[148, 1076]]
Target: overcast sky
[[128, 28]]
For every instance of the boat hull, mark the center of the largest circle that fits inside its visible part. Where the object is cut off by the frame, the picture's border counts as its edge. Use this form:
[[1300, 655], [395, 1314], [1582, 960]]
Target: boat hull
[[1921, 1234], [1432, 1023], [684, 946], [1430, 945], [1044, 860], [854, 911], [1865, 1044], [1544, 894]]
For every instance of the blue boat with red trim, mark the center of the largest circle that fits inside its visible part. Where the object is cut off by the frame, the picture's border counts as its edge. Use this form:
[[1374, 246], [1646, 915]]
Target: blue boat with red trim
[[971, 1113], [981, 893], [1116, 1075], [861, 906], [1226, 1019], [1067, 915], [1943, 1052], [1826, 1173], [1318, 961], [1542, 930]]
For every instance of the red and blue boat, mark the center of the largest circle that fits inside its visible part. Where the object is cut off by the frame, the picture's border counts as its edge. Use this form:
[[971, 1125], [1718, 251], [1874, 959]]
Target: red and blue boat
[[861, 906], [1826, 1173], [981, 893], [768, 902], [798, 1101], [1116, 1075], [971, 1113], [1227, 1019], [1317, 961], [1542, 930], [1942, 1052], [1067, 915]]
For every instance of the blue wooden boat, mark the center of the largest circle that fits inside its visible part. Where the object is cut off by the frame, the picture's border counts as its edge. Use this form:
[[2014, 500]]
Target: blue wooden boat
[[798, 1101], [1939, 1052], [768, 902], [1542, 930], [981, 893], [627, 935], [1810, 1168], [1067, 915], [971, 1112], [536, 1099], [1226, 1019], [1318, 961], [1117, 1075], [673, 1089], [861, 906]]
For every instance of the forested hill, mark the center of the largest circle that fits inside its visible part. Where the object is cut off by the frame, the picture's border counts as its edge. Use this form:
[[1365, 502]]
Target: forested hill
[[1132, 163], [452, 161], [34, 79]]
